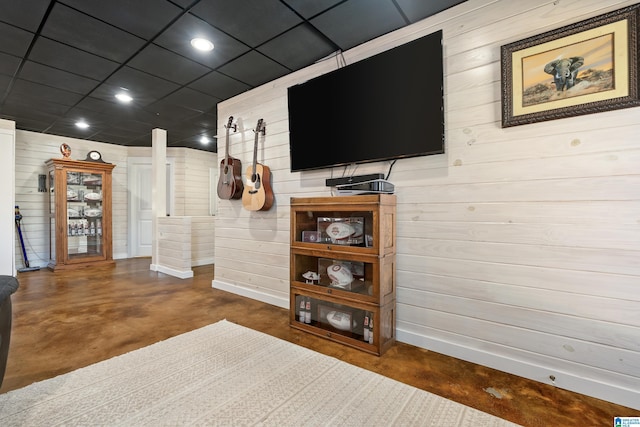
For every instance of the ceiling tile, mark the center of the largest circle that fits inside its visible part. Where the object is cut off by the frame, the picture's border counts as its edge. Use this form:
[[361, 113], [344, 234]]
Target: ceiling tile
[[177, 133], [255, 22], [417, 10], [141, 141], [21, 107], [144, 18], [183, 3], [89, 34], [205, 122], [192, 99], [124, 135], [144, 88], [68, 128], [170, 113], [25, 14], [133, 126], [219, 85], [310, 8], [8, 64], [89, 49], [375, 17], [178, 39], [39, 93], [298, 47], [107, 107], [4, 85], [254, 69], [31, 123], [58, 55], [193, 141], [48, 76], [14, 40], [114, 138], [163, 63]]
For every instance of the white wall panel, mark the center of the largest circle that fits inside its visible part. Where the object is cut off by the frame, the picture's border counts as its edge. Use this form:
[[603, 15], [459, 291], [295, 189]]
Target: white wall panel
[[7, 201], [33, 149], [518, 248]]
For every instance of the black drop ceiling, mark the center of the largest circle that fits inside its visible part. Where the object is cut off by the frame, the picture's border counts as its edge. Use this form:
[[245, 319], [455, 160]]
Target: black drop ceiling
[[64, 60]]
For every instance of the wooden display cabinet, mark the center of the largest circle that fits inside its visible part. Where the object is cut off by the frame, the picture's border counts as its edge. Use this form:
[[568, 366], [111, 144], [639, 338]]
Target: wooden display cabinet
[[79, 213], [342, 269]]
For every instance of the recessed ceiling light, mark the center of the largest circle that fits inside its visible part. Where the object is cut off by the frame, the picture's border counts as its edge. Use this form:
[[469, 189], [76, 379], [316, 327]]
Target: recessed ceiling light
[[202, 44], [124, 97], [205, 140], [82, 124]]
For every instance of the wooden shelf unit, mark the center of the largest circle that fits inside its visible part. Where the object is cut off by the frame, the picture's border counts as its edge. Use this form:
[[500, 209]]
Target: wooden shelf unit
[[369, 255], [79, 213]]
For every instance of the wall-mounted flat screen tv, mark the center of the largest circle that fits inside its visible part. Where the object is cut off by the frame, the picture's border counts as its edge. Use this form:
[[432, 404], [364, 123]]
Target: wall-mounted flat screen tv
[[387, 106]]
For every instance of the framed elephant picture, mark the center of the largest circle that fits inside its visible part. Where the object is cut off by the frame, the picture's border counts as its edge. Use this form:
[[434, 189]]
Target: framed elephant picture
[[587, 67]]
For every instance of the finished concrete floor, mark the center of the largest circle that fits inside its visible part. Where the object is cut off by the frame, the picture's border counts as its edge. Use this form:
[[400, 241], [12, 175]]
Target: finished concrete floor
[[63, 321]]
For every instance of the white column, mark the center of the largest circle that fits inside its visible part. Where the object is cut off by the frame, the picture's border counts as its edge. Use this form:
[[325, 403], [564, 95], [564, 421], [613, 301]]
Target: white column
[[158, 187]]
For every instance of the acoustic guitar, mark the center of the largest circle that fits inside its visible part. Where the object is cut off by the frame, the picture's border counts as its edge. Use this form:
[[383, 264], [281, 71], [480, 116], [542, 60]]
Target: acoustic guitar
[[230, 182], [257, 194]]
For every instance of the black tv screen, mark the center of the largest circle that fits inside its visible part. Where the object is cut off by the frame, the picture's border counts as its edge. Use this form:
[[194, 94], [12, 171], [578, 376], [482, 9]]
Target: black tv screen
[[387, 106]]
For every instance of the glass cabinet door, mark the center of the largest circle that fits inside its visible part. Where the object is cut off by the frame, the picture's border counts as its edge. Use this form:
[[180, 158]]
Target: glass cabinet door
[[84, 214]]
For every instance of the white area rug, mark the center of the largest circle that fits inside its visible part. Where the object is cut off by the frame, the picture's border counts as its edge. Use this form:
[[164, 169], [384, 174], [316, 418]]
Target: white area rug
[[225, 374]]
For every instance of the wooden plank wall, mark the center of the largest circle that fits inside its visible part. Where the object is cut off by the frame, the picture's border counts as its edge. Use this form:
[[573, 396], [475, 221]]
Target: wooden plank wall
[[203, 234], [8, 245], [33, 149], [517, 249], [174, 246]]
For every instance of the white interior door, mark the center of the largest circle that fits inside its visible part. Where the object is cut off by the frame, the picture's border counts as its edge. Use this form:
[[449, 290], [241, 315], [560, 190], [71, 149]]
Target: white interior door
[[140, 215], [140, 236]]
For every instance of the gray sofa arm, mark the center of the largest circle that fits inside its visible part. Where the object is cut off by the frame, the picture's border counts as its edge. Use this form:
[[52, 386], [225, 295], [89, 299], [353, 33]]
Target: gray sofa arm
[[8, 285]]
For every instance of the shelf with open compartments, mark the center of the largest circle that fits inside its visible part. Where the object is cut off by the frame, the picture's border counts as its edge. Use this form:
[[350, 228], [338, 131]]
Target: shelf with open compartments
[[342, 269]]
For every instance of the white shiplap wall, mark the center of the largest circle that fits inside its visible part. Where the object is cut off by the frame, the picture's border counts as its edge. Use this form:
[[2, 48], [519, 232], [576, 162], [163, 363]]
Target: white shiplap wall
[[203, 234], [518, 249], [33, 149], [174, 246], [7, 199]]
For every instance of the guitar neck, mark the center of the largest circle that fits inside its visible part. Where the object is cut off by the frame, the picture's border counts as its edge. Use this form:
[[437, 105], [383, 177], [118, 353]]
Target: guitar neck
[[259, 127], [228, 126]]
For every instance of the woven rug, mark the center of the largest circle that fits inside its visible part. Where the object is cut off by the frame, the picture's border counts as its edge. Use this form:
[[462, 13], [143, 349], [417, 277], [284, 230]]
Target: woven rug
[[225, 374]]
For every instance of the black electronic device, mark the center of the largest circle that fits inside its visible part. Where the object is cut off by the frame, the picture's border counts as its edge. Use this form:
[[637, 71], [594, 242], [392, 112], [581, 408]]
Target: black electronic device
[[332, 182], [375, 186], [387, 106]]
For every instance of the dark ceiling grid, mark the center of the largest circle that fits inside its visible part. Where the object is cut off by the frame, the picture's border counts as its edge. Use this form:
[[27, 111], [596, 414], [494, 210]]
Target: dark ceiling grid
[[147, 88], [61, 60]]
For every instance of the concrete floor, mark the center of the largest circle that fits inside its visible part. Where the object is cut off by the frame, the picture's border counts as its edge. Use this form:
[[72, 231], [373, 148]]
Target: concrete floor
[[66, 320]]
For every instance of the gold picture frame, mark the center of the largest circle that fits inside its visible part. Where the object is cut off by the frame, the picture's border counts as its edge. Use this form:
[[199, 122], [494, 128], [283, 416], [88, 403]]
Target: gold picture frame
[[587, 67]]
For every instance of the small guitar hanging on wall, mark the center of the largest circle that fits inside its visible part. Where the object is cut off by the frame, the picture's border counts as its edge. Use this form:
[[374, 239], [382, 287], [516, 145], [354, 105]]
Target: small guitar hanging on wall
[[230, 181], [257, 194]]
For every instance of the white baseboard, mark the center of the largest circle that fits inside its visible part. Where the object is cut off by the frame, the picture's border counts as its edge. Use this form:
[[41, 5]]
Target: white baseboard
[[181, 274], [251, 293], [537, 372], [564, 380]]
